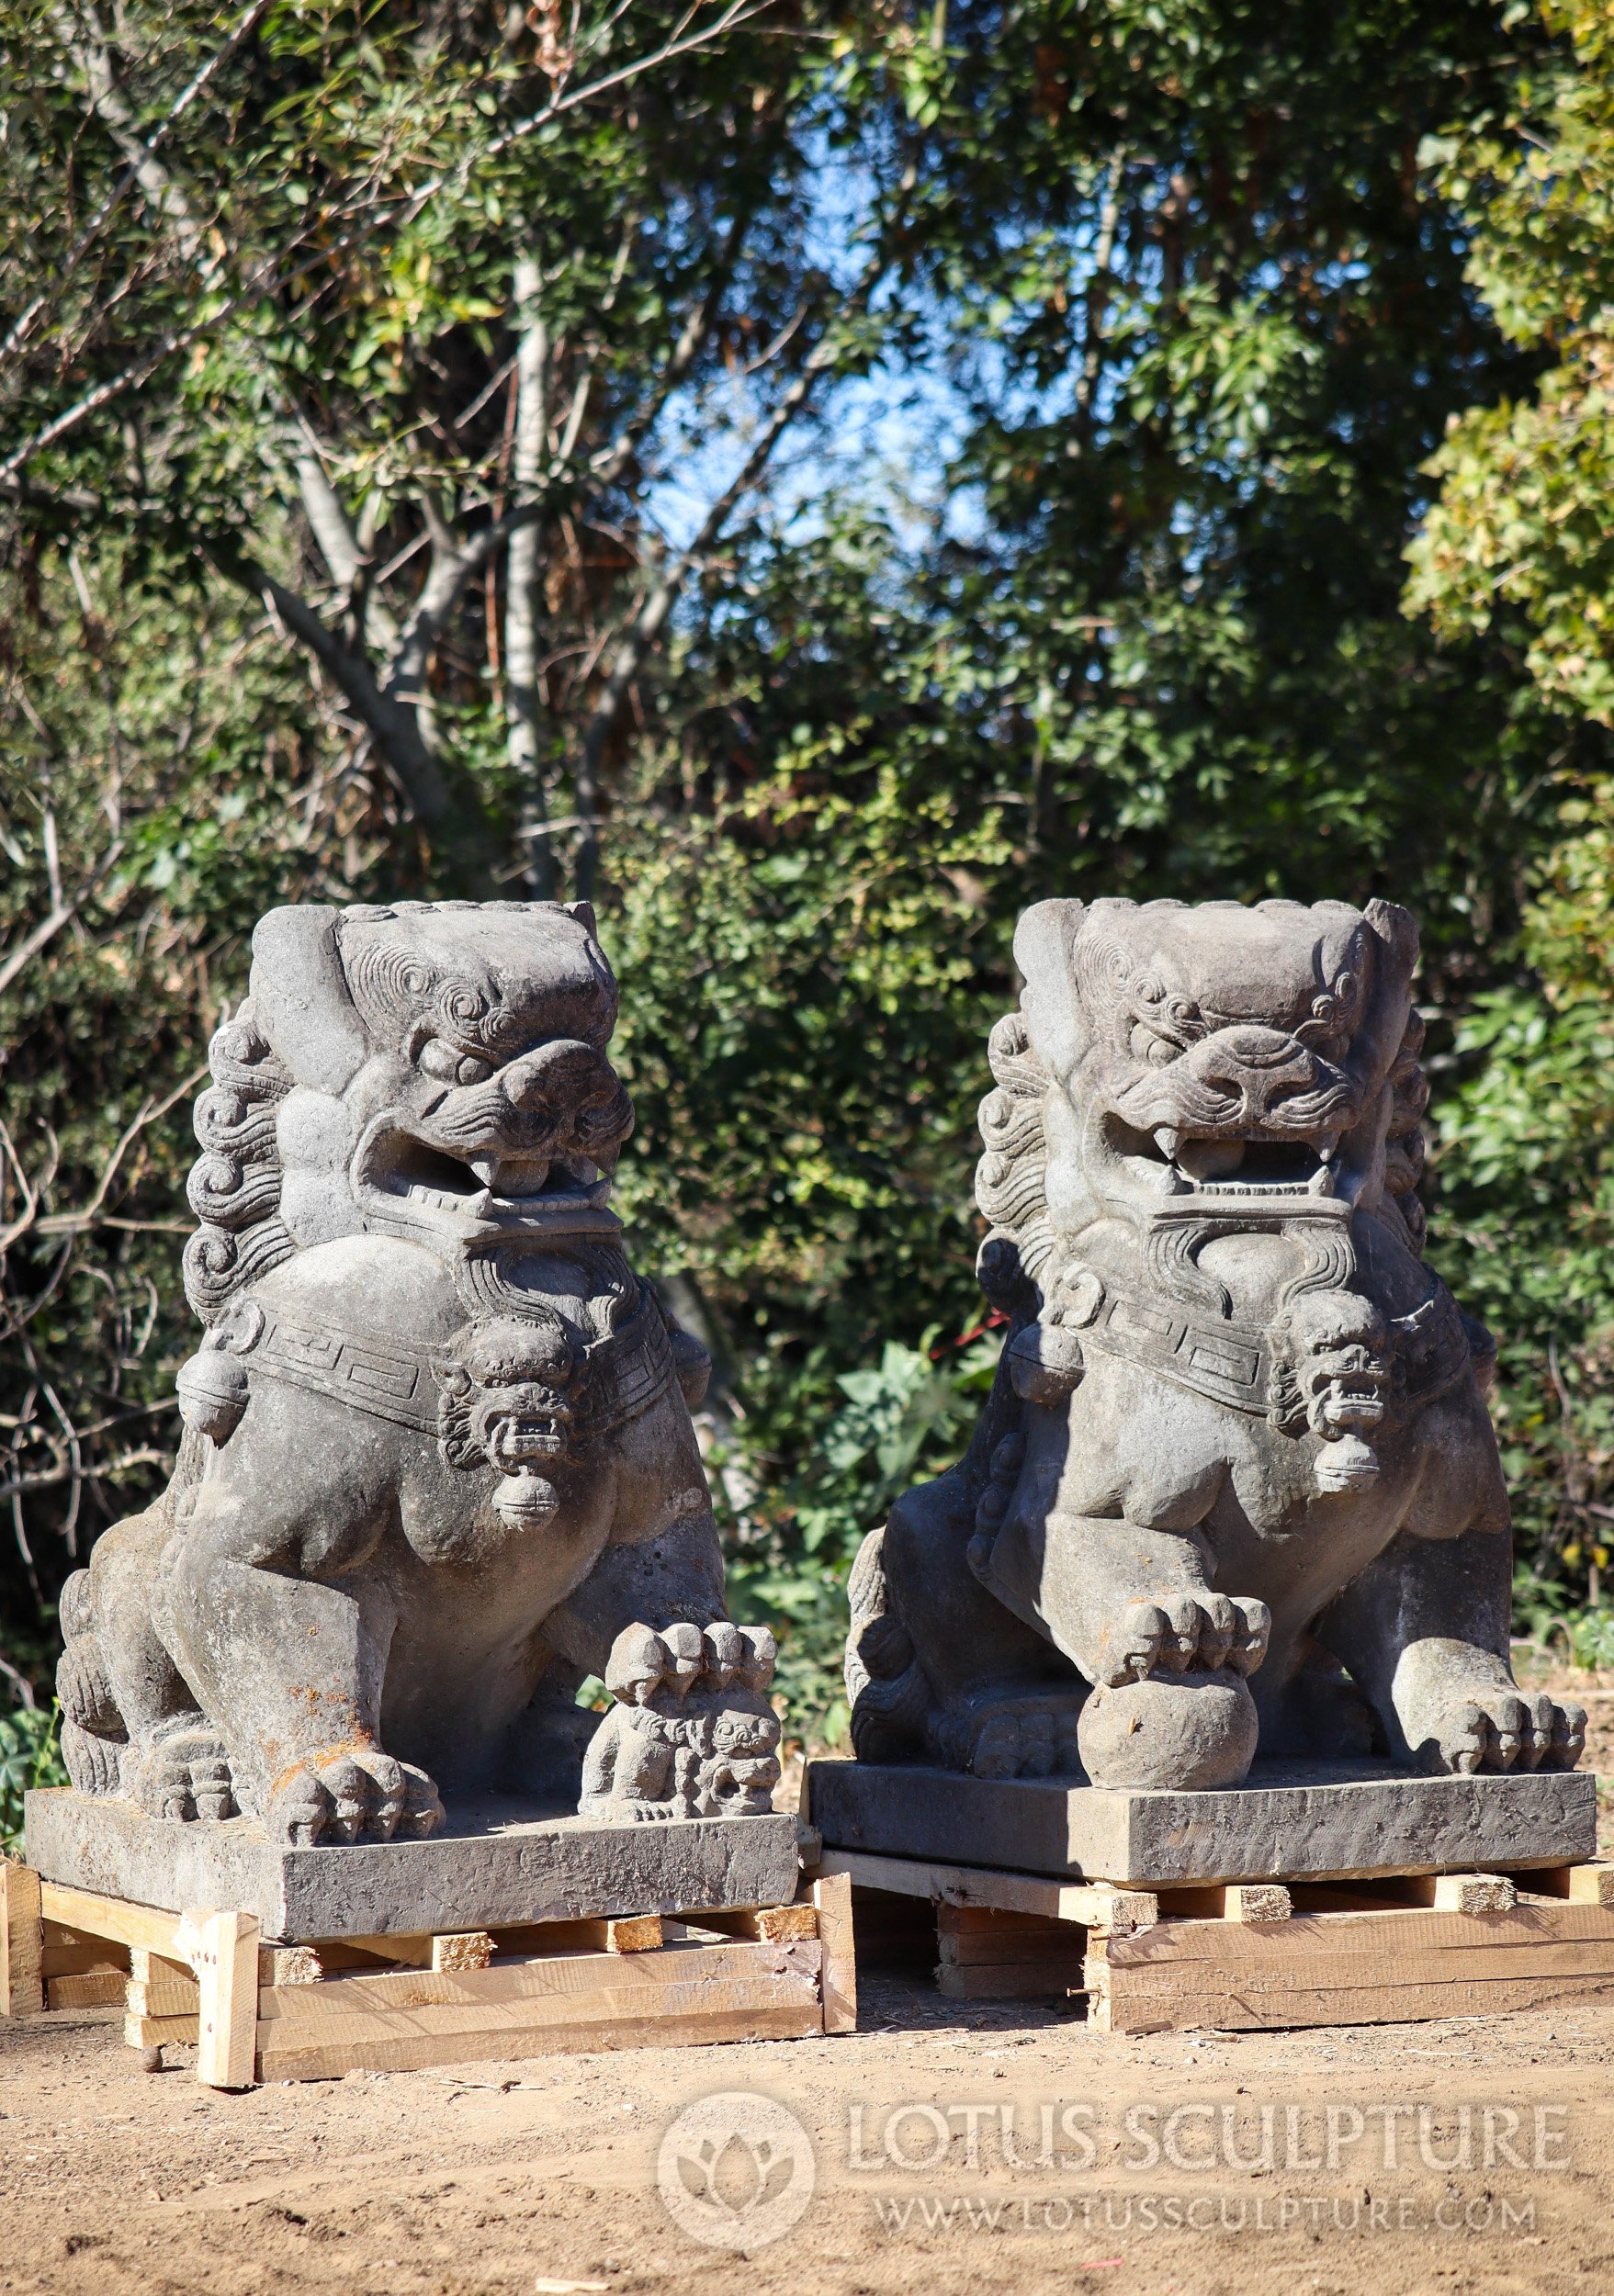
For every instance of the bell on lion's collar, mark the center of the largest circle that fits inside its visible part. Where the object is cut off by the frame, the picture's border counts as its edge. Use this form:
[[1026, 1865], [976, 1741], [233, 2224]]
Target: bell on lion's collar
[[527, 1501], [1346, 1464]]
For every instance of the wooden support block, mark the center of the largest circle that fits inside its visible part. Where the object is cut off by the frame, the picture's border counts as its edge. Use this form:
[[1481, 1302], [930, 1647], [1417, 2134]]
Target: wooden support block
[[22, 1941], [72, 1953], [1096, 1904], [838, 1968], [634, 1933], [462, 1949], [226, 1964], [88, 1988], [1467, 1892], [1581, 1884], [1229, 1901], [160, 1987], [989, 1956], [115, 1918], [151, 2032], [289, 1964], [1056, 1982], [774, 1925]]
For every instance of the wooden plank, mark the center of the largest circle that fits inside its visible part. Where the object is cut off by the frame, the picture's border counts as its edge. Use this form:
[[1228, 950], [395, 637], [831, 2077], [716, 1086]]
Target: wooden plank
[[1049, 1981], [1228, 1901], [769, 1925], [401, 2050], [116, 1918], [151, 2032], [1581, 1884], [979, 1949], [318, 2021], [22, 1941], [640, 1979], [474, 1949], [1096, 1904], [226, 1962], [72, 1953], [831, 1896], [162, 1997], [1350, 1968], [87, 1988], [1129, 2009]]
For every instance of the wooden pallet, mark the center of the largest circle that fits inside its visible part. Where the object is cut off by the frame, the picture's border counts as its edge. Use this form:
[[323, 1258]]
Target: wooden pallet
[[268, 2012], [1248, 1956]]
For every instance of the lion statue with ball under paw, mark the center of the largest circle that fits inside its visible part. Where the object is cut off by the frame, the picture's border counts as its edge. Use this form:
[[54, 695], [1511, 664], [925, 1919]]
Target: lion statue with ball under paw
[[1237, 1484]]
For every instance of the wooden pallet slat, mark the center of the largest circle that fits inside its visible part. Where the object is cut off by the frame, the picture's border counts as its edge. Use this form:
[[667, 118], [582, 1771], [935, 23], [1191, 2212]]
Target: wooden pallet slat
[[22, 1941], [832, 1897], [409, 2053], [1351, 1967]]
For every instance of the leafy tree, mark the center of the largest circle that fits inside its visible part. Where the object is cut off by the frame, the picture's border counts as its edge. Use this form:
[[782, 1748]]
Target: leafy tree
[[1516, 544], [355, 445]]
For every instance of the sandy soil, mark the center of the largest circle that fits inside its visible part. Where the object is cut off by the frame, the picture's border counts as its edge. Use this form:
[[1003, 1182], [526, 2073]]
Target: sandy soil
[[1469, 2156], [520, 2177]]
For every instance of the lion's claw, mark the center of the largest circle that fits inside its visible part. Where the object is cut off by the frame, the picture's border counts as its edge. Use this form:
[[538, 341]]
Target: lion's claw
[[1498, 1728], [1187, 1633], [352, 1793]]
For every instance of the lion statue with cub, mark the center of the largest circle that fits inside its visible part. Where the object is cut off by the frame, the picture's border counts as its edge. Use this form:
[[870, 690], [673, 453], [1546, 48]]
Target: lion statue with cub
[[438, 1463], [1237, 1481]]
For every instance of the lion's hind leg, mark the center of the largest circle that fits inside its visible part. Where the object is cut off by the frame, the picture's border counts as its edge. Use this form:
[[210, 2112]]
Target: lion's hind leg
[[131, 1724], [937, 1669]]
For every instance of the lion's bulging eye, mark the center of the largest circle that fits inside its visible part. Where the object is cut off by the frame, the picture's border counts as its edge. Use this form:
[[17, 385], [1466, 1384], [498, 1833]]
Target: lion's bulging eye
[[449, 1065], [1157, 1050]]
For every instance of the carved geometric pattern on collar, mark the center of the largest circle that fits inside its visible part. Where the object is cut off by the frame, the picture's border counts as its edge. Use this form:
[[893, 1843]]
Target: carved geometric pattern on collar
[[1233, 1362], [617, 1377]]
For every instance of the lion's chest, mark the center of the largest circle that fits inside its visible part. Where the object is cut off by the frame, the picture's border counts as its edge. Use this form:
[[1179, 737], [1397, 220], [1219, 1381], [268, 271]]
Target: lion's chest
[[1167, 1458], [536, 1532]]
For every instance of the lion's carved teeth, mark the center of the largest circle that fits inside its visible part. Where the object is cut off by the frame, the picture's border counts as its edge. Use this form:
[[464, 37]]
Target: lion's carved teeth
[[1168, 1139]]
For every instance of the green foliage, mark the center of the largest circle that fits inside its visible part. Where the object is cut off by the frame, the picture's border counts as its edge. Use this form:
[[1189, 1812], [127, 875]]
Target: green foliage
[[904, 1420], [29, 1757], [1521, 532]]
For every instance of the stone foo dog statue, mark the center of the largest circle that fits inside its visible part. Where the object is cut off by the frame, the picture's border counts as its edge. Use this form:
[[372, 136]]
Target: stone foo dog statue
[[438, 1454], [1238, 1443]]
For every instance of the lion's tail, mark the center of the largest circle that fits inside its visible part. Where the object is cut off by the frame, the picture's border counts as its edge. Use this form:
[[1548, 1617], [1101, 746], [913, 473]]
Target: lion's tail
[[92, 1732], [887, 1688]]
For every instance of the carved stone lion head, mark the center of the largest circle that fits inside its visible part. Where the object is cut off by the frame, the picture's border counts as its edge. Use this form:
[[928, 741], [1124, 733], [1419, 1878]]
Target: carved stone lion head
[[436, 1070]]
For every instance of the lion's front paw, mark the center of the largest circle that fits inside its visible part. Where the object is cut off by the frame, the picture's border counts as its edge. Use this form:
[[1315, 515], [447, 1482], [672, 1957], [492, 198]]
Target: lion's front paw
[[1495, 1727], [183, 1776], [351, 1794], [1204, 1634]]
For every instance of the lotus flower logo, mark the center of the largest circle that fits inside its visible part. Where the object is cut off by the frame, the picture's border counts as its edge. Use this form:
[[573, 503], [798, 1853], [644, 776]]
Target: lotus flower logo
[[735, 2170]]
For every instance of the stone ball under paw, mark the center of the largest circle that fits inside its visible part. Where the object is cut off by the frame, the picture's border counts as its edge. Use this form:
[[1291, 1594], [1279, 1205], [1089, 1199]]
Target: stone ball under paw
[[1190, 1731]]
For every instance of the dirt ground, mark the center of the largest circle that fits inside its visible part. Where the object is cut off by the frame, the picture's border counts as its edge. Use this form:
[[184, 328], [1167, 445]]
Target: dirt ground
[[943, 2147]]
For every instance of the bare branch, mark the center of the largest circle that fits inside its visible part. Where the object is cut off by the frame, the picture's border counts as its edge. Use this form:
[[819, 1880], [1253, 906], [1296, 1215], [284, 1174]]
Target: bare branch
[[61, 913]]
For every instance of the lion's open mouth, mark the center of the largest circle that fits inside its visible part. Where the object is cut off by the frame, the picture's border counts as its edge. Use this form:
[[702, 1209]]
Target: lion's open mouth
[[405, 1169], [1258, 1163]]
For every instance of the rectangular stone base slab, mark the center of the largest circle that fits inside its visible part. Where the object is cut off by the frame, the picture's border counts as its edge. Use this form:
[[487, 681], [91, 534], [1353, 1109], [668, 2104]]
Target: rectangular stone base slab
[[500, 1862], [1288, 1821]]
